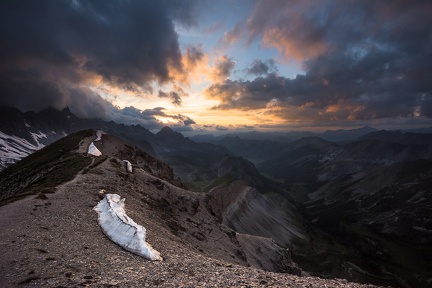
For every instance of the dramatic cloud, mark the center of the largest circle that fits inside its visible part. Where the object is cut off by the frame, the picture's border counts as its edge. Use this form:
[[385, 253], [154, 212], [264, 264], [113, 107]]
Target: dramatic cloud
[[232, 36], [260, 68], [194, 55], [152, 119], [362, 60], [222, 68], [53, 50], [297, 29], [195, 66], [339, 90], [174, 96]]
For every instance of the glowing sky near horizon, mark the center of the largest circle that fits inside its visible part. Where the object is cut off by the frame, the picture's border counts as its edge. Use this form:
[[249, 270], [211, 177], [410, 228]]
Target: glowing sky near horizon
[[217, 66]]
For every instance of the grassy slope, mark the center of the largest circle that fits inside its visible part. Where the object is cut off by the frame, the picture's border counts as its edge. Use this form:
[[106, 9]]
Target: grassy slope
[[206, 186]]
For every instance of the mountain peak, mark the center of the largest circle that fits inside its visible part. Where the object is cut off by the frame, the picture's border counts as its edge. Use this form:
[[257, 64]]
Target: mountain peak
[[168, 132], [53, 113], [366, 128], [166, 129], [66, 110]]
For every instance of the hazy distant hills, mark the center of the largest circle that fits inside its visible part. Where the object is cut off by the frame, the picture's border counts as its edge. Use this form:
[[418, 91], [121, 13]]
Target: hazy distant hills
[[340, 135], [320, 160], [260, 146], [408, 138]]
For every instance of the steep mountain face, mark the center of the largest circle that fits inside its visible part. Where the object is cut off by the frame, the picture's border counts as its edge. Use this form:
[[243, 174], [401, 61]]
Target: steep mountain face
[[22, 125], [53, 238], [13, 148], [20, 136], [245, 210]]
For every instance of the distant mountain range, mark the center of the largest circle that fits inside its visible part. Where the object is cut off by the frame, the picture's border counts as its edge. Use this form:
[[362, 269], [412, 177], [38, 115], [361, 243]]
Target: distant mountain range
[[340, 135]]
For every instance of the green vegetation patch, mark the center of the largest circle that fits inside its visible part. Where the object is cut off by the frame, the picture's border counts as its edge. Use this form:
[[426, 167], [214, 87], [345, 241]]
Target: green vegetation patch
[[44, 169], [206, 186]]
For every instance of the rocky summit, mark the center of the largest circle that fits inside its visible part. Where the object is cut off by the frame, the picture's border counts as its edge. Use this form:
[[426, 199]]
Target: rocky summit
[[51, 237]]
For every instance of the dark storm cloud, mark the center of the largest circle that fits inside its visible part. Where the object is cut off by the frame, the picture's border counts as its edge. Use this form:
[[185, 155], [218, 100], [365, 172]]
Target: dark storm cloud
[[173, 96], [362, 60], [194, 54], [259, 67], [159, 111], [223, 68], [49, 48], [148, 118], [134, 116], [258, 93]]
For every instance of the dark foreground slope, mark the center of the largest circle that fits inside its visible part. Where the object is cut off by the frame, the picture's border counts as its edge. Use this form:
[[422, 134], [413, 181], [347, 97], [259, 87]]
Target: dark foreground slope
[[53, 239]]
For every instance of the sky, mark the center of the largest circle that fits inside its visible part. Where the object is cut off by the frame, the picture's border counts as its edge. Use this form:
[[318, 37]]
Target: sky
[[221, 66]]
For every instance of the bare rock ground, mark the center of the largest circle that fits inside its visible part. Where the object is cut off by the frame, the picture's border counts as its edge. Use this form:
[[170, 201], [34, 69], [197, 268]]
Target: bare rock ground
[[54, 240]]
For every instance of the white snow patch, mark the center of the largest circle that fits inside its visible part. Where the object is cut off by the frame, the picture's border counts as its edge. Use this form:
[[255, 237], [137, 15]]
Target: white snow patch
[[422, 229], [94, 150], [27, 125], [99, 134], [356, 268], [13, 149], [36, 138], [418, 197], [128, 166], [121, 229]]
